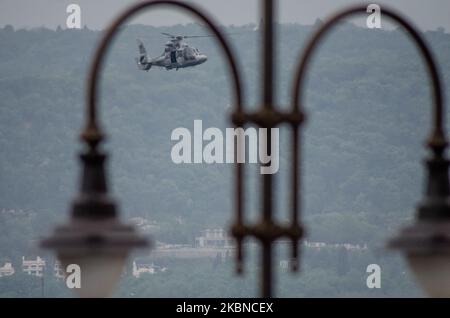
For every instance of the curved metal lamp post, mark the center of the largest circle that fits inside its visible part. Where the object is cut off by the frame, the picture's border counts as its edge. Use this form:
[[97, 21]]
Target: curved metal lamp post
[[426, 243], [94, 238]]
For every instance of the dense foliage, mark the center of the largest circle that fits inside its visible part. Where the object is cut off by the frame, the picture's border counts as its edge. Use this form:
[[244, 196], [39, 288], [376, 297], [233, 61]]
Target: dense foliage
[[368, 105]]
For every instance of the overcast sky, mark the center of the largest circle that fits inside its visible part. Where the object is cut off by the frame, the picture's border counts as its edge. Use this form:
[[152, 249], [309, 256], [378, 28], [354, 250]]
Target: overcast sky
[[427, 14]]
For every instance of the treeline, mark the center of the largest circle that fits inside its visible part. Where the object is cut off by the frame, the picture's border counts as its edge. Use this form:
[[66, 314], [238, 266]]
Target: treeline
[[367, 99]]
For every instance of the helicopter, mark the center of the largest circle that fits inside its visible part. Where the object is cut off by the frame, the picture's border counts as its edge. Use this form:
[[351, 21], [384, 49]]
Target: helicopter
[[177, 54]]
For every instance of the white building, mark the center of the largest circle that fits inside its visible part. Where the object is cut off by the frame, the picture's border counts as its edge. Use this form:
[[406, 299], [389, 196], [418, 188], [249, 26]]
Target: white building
[[144, 225], [347, 246], [33, 267], [58, 270], [286, 265], [7, 270], [214, 238], [140, 268]]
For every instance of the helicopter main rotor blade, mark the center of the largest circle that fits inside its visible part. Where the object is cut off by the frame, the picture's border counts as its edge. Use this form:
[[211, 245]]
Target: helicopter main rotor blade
[[197, 36], [168, 34], [207, 36], [178, 37]]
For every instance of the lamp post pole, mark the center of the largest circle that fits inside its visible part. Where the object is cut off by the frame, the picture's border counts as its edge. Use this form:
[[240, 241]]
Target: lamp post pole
[[267, 230], [431, 234], [268, 99]]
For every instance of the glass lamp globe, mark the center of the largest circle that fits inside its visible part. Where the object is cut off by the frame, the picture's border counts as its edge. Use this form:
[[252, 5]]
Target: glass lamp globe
[[99, 272], [100, 248], [432, 272], [426, 246]]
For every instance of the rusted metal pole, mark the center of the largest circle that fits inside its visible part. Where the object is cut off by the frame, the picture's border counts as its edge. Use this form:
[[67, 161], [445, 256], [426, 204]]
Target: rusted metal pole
[[267, 116], [268, 99]]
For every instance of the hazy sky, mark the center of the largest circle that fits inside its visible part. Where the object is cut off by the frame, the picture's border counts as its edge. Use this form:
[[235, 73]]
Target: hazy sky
[[427, 14]]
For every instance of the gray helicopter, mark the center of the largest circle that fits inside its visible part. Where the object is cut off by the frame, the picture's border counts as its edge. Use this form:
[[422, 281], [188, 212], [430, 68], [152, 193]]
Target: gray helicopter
[[177, 54]]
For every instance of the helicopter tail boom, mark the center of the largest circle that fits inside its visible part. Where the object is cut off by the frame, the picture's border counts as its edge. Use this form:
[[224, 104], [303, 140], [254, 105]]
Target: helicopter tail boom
[[145, 66]]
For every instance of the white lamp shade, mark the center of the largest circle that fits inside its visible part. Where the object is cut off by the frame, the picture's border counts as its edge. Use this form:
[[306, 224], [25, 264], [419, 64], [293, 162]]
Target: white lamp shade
[[100, 273], [432, 273]]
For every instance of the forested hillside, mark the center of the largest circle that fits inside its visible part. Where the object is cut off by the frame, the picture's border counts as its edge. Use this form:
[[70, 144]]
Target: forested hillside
[[368, 114]]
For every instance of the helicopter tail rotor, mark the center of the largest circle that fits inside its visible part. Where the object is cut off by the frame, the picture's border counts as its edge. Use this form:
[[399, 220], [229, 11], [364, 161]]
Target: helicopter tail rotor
[[142, 61]]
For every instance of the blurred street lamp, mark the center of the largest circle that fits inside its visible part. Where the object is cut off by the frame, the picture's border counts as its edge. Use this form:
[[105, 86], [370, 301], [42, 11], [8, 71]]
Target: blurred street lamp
[[426, 244], [94, 238]]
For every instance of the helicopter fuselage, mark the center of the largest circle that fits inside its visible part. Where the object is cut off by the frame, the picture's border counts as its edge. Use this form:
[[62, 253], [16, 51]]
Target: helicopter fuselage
[[176, 55], [179, 58]]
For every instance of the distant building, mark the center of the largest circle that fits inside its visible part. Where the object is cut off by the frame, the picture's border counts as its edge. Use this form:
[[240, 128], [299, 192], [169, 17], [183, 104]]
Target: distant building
[[33, 267], [58, 270], [315, 245], [214, 238], [140, 268], [7, 270], [286, 265], [144, 225], [347, 246]]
